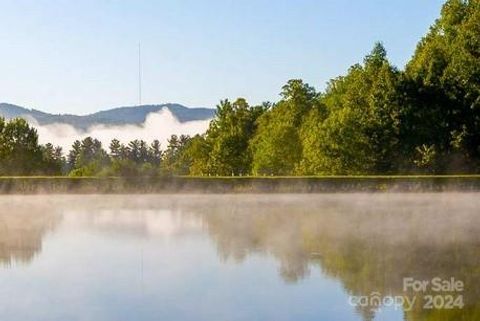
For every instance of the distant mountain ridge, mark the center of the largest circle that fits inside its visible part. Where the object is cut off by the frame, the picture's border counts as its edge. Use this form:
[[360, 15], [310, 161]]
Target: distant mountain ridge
[[134, 115]]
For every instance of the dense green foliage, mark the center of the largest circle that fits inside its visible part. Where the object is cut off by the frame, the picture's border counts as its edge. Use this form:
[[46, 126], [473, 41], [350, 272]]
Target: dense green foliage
[[20, 153], [376, 119], [224, 149]]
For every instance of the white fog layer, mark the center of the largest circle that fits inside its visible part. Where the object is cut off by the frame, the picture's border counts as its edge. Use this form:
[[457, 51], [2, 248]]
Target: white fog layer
[[160, 125]]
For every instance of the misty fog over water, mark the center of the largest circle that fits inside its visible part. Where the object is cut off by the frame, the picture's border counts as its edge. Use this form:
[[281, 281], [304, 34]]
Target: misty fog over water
[[232, 257]]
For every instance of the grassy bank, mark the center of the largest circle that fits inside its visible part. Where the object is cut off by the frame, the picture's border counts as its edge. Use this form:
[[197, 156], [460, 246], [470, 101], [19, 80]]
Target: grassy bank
[[184, 184]]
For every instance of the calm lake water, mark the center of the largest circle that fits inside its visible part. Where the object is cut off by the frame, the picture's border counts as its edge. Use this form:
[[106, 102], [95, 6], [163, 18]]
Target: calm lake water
[[225, 257]]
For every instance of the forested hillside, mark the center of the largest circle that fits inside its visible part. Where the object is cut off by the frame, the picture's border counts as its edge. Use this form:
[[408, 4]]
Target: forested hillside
[[135, 115]]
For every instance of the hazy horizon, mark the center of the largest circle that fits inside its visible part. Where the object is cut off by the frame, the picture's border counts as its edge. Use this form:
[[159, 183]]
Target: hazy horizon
[[105, 108]]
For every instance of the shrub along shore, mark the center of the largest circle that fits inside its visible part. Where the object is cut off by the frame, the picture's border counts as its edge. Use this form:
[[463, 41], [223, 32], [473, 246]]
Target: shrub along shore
[[184, 184]]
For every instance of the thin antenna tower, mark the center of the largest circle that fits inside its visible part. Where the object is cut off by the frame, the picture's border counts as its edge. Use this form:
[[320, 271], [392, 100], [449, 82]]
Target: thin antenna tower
[[139, 75]]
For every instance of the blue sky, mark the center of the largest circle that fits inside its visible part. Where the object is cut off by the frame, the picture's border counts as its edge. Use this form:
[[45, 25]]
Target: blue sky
[[81, 56]]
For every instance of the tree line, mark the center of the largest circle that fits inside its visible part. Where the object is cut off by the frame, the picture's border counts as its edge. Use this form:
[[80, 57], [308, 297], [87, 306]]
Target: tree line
[[21, 154], [375, 119]]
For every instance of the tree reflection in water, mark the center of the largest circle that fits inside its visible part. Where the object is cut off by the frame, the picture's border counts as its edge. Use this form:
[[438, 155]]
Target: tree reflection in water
[[369, 242], [22, 228]]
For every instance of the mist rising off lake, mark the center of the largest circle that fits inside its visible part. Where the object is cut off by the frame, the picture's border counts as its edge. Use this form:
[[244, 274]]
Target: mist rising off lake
[[263, 257]]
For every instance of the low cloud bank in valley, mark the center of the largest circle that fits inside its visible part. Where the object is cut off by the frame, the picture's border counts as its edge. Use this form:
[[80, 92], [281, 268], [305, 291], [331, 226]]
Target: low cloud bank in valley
[[160, 125]]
